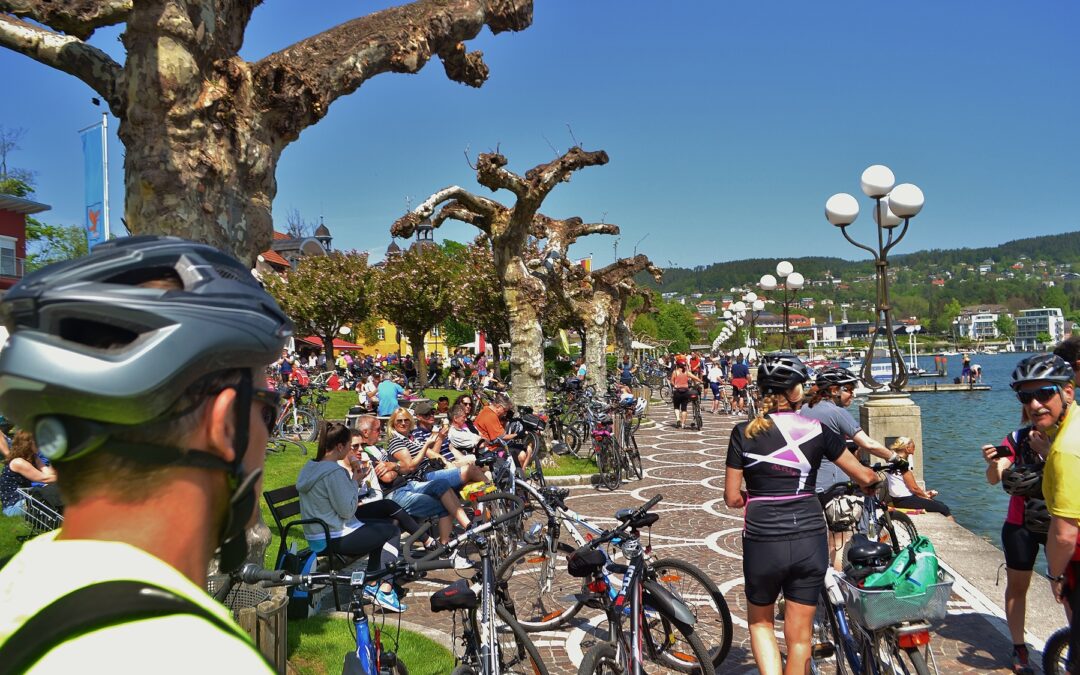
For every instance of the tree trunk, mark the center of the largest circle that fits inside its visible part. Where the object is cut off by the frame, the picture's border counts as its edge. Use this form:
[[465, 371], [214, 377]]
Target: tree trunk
[[624, 339], [596, 344], [328, 347], [496, 356], [198, 162], [526, 335], [416, 341]]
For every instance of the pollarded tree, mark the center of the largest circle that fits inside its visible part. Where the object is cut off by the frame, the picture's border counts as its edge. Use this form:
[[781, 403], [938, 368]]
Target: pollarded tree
[[323, 293], [634, 302], [508, 228], [202, 128], [417, 290]]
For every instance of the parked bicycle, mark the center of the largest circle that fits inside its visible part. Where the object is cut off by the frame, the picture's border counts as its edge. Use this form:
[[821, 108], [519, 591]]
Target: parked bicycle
[[294, 422], [1055, 659]]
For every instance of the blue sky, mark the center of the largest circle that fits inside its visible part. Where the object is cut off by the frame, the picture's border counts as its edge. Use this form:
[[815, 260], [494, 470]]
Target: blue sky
[[728, 124]]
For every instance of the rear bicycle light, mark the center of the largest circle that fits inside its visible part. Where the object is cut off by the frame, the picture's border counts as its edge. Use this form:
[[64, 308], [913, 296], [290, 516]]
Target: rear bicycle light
[[598, 586], [913, 640]]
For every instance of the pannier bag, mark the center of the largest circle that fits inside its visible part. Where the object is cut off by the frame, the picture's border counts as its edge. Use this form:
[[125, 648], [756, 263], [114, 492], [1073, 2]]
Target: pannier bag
[[912, 572], [844, 512]]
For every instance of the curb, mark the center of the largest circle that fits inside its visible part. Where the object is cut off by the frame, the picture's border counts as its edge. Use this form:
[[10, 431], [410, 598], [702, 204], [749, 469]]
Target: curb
[[568, 481]]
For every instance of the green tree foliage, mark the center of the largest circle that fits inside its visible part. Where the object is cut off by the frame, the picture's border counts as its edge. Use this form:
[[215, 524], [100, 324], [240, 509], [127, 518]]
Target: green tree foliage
[[675, 322], [418, 290], [944, 319], [1005, 325], [323, 293], [1055, 297], [482, 305], [47, 244]]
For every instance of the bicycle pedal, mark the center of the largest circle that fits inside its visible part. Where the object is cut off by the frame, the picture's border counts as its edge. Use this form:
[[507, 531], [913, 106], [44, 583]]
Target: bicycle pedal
[[822, 650]]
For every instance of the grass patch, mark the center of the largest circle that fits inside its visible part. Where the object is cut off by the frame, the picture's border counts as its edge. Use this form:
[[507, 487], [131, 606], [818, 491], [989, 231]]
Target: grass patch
[[568, 465], [340, 401], [319, 644]]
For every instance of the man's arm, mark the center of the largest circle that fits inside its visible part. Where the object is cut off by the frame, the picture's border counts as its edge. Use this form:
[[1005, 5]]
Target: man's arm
[[1060, 547]]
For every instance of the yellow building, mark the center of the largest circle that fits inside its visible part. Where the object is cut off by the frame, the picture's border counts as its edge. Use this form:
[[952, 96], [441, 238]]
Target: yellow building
[[387, 341]]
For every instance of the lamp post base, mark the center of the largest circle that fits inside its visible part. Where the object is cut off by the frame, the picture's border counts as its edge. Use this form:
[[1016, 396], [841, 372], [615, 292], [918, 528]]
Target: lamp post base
[[887, 415]]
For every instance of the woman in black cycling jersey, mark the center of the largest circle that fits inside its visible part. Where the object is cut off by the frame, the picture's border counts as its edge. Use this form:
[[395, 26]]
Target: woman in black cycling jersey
[[784, 544]]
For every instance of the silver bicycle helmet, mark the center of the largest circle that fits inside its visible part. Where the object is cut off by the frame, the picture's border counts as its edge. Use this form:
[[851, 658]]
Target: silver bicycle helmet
[[1024, 480], [1048, 367], [834, 375], [780, 371], [156, 342], [1036, 516]]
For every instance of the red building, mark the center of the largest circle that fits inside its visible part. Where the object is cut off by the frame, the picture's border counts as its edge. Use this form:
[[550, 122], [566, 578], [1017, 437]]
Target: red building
[[13, 213]]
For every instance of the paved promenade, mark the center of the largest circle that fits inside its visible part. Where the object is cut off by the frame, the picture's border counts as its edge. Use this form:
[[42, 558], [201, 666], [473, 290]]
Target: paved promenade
[[687, 468]]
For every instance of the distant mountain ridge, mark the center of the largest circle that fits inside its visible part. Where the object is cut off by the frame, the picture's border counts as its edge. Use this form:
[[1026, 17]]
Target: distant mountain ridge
[[718, 277]]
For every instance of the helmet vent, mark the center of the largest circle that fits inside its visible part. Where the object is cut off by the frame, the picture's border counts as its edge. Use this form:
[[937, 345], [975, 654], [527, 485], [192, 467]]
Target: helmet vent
[[95, 333], [228, 273]]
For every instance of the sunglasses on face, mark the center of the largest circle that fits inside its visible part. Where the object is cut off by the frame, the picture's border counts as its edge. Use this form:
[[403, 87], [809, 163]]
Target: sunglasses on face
[[849, 389], [1042, 395], [401, 422], [270, 401], [355, 447]]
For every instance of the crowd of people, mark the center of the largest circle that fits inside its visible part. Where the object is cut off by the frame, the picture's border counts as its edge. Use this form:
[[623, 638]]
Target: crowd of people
[[160, 471]]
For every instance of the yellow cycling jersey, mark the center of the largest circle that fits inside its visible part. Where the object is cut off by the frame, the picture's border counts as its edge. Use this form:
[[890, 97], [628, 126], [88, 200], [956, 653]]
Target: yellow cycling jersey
[[1061, 475], [47, 569]]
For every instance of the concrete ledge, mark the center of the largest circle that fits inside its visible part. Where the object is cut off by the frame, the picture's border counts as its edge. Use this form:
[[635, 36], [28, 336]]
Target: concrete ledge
[[576, 479], [976, 563]]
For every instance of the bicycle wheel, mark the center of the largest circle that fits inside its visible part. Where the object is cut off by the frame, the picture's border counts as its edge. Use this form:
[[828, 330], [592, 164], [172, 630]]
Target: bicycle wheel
[[300, 425], [543, 593], [601, 659], [678, 646], [517, 653], [705, 601], [665, 392], [608, 470], [918, 661], [698, 422], [825, 633], [897, 530], [535, 443], [1056, 653]]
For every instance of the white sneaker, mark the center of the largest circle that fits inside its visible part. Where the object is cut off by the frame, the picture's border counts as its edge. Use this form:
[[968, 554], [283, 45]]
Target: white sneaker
[[461, 562]]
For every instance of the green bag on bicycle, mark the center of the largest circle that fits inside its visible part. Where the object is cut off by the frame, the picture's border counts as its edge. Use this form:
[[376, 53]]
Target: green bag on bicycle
[[912, 572]]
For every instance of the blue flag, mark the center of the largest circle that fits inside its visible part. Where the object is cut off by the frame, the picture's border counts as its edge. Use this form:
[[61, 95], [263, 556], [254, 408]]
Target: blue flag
[[94, 173]]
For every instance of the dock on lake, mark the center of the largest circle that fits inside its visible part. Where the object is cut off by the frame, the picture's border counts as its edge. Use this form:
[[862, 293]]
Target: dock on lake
[[945, 386]]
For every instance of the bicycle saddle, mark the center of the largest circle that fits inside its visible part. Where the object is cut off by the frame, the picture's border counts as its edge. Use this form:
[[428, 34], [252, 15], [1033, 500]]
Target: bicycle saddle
[[644, 520]]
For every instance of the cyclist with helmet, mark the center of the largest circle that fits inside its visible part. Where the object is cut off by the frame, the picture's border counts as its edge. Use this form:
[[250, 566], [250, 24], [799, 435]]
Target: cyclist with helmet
[[135, 366], [680, 391], [1019, 469], [784, 548], [1044, 385]]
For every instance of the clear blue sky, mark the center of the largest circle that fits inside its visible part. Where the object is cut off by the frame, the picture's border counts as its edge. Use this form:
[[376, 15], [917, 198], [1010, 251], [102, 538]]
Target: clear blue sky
[[728, 124]]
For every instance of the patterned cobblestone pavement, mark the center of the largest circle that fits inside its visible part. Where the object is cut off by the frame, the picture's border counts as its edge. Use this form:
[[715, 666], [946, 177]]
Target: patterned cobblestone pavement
[[687, 468]]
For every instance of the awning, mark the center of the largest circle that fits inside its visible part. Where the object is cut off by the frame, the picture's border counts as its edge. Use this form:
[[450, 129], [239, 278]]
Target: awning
[[338, 344], [641, 345]]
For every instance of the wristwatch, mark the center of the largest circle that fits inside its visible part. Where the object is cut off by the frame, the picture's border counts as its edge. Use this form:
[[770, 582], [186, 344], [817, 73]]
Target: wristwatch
[[1058, 579]]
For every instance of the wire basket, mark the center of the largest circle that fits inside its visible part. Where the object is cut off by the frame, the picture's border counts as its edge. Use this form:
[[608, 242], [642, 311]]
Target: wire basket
[[39, 516], [875, 609], [239, 596]]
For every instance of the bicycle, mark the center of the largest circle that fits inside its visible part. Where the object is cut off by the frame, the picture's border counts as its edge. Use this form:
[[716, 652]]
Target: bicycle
[[661, 626], [369, 657], [1055, 658], [546, 597], [492, 640], [609, 463], [666, 390], [631, 455], [294, 422], [695, 406], [561, 432]]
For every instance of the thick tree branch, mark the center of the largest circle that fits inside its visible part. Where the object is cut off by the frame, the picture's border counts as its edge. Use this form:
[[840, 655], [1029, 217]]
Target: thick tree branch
[[78, 18], [492, 174], [299, 83], [546, 176], [455, 211], [624, 269], [68, 54], [560, 234], [484, 208]]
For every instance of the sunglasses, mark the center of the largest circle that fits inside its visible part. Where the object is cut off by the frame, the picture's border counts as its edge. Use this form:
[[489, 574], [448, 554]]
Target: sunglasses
[[402, 421], [271, 402], [1042, 395], [355, 447]]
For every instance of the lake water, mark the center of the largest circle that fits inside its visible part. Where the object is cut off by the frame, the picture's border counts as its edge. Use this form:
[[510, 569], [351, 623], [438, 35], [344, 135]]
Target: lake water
[[955, 426]]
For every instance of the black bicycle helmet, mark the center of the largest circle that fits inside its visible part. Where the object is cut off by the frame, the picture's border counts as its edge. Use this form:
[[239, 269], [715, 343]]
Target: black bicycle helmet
[[1024, 480], [834, 375], [1048, 367], [89, 343], [780, 371], [1036, 516]]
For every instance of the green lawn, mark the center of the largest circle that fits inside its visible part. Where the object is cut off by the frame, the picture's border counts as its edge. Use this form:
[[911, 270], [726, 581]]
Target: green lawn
[[318, 645], [340, 401]]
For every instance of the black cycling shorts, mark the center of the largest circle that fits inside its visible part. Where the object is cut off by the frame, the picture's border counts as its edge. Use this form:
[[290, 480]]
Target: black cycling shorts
[[796, 566], [1021, 546], [680, 397]]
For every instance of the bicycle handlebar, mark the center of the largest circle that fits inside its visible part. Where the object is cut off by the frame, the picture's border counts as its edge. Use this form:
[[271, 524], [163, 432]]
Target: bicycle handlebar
[[473, 532], [611, 534]]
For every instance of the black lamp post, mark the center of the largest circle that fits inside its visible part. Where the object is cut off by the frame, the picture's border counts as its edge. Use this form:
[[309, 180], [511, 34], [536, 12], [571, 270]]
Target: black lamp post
[[789, 285], [892, 205]]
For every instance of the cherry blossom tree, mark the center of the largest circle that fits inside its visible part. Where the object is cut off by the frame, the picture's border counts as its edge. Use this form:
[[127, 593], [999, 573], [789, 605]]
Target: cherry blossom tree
[[509, 228], [202, 128], [323, 293]]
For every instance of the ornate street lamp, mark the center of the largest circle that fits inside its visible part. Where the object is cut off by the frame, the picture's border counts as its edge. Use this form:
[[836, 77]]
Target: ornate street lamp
[[789, 285], [892, 205], [754, 306]]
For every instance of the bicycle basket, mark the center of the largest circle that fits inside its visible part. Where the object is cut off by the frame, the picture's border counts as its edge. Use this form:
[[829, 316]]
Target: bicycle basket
[[875, 609], [842, 513], [458, 595], [585, 562]]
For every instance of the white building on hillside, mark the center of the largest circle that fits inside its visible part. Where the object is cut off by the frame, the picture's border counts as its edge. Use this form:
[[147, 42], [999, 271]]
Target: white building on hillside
[[1031, 322]]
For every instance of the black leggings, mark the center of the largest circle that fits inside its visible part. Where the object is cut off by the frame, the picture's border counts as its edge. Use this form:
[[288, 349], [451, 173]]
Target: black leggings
[[369, 540], [913, 502], [387, 509]]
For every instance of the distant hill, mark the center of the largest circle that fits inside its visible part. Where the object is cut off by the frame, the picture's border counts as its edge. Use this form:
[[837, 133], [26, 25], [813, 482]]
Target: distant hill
[[718, 277]]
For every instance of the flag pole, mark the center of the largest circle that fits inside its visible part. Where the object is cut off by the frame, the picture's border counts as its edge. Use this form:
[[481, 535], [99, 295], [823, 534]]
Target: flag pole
[[105, 168]]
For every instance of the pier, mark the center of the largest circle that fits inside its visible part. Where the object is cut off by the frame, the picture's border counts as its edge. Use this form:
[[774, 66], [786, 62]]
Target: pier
[[944, 386]]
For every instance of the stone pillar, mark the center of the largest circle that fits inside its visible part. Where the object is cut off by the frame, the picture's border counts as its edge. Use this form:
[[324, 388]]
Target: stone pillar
[[886, 416]]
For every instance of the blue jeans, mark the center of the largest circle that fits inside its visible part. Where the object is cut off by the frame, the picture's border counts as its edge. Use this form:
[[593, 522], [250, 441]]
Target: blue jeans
[[450, 476], [421, 500]]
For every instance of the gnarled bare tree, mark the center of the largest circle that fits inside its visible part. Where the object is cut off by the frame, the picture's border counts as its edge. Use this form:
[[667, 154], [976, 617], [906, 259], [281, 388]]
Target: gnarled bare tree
[[597, 299], [630, 311], [508, 228], [202, 128]]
